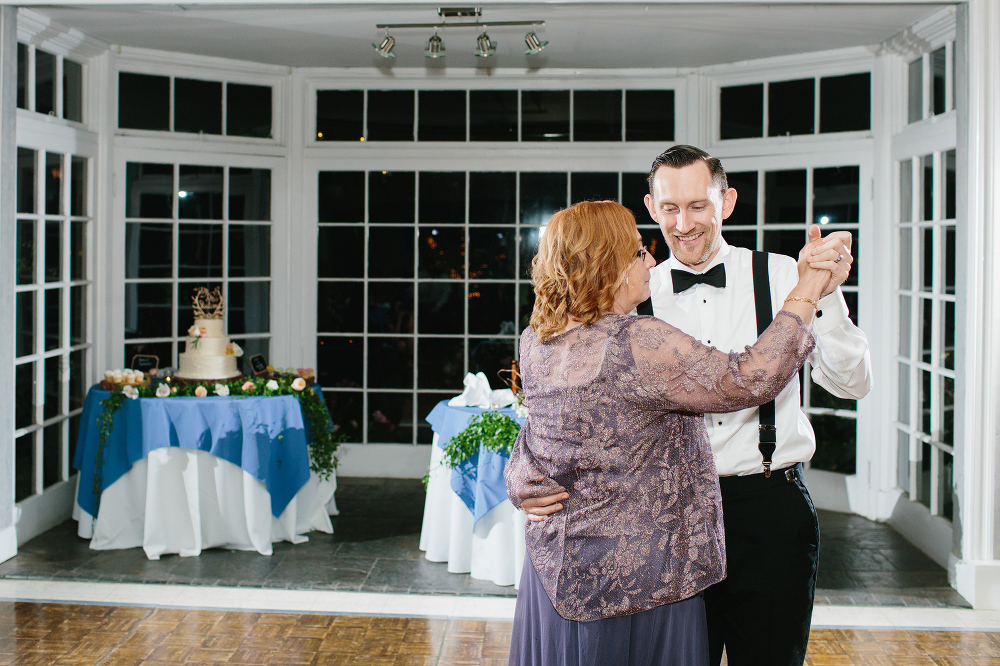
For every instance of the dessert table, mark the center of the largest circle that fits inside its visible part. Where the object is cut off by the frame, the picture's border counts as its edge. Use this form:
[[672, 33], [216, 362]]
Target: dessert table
[[181, 474], [468, 520]]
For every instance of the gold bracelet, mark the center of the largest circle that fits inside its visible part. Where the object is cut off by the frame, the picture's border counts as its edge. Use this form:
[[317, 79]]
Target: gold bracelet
[[804, 300]]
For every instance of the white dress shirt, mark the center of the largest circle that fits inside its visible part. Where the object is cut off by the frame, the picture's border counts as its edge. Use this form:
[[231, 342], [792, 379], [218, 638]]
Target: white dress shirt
[[725, 318]]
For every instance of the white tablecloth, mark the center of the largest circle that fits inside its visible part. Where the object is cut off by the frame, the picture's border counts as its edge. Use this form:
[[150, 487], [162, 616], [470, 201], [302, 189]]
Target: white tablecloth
[[180, 500], [493, 550]]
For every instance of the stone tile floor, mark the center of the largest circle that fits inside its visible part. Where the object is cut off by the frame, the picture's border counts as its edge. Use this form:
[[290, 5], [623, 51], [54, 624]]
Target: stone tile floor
[[374, 548]]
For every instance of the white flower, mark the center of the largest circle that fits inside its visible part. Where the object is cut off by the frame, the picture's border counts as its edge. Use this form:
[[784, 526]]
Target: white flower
[[521, 410], [221, 389], [271, 385], [201, 391], [163, 391], [194, 331], [298, 383], [130, 392], [233, 349]]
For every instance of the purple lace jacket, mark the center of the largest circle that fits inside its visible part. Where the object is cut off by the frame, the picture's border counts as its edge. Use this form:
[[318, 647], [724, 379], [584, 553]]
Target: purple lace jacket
[[615, 419]]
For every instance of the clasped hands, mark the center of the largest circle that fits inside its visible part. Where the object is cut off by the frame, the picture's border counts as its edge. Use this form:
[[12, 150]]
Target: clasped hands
[[832, 254]]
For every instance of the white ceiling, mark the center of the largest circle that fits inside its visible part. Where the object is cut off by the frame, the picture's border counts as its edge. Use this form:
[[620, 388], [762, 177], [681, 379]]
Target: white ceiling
[[580, 35]]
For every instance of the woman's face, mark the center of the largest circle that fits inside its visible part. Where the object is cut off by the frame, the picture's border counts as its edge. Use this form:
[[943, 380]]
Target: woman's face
[[635, 288]]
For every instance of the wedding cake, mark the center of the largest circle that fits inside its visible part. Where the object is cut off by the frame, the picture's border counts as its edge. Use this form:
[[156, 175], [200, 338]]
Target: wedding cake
[[208, 353]]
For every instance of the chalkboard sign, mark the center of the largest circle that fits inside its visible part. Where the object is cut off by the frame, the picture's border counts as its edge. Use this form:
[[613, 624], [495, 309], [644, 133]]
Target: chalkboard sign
[[258, 364], [146, 363]]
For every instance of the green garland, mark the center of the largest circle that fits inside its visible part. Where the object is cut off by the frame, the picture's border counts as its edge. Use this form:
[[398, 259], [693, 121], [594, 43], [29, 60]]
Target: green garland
[[325, 436], [495, 431]]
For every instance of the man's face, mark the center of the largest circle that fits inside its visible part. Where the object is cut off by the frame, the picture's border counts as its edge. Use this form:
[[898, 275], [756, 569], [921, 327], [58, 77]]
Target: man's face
[[689, 209]]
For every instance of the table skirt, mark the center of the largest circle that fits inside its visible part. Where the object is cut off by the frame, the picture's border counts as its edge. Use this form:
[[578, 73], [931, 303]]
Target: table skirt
[[179, 500], [492, 549]]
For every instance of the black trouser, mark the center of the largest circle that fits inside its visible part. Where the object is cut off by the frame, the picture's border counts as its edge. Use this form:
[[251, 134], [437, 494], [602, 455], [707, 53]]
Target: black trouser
[[762, 611]]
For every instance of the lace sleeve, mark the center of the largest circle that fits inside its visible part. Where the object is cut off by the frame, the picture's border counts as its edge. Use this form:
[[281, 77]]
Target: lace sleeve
[[676, 369]]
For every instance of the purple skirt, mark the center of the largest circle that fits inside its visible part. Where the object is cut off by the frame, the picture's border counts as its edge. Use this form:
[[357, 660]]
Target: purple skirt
[[670, 635]]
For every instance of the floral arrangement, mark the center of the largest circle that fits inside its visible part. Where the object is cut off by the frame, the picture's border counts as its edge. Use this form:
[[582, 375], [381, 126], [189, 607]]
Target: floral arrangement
[[325, 436], [494, 430]]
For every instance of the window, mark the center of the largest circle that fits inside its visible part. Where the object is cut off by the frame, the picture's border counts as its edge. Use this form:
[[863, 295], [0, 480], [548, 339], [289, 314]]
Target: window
[[49, 84], [52, 340], [926, 355], [931, 84], [189, 226]]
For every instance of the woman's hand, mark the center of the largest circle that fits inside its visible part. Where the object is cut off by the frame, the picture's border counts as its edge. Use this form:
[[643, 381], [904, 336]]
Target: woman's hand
[[832, 253], [539, 508]]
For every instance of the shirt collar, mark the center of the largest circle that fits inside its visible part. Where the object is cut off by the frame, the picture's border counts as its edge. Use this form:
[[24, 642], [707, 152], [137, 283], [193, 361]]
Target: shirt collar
[[720, 256]]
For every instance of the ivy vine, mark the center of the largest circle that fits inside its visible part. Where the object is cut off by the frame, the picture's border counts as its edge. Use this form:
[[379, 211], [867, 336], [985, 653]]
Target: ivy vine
[[493, 430]]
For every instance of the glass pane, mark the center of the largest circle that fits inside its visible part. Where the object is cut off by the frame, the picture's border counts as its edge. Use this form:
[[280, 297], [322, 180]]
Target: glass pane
[[649, 115], [926, 328], [53, 319], [927, 191], [77, 315], [541, 195], [489, 357], [77, 379], [949, 336], [906, 258], [52, 454], [340, 361], [45, 82], [442, 197], [784, 242], [25, 251], [340, 308], [161, 350], [347, 411], [526, 301], [197, 106], [903, 404], [491, 308], [791, 107], [442, 307], [747, 239], [22, 76], [836, 443], [947, 486], [53, 184], [441, 363], [905, 191], [544, 115], [249, 250], [199, 250], [745, 212], [390, 252], [593, 186], [149, 190], [741, 111], [390, 362], [442, 253], [249, 307], [53, 387], [341, 252], [24, 395], [248, 110], [143, 101], [78, 187], [927, 256], [924, 484], [53, 251], [635, 187], [390, 417], [391, 196], [904, 326], [185, 311], [425, 404], [845, 103], [915, 91], [492, 198], [491, 253], [785, 197], [200, 193], [441, 115], [25, 323], [949, 185], [390, 115], [340, 115], [493, 115], [902, 460], [528, 249], [653, 240], [938, 69], [74, 433], [25, 180], [597, 115], [949, 260], [249, 194], [148, 310], [341, 196], [390, 307], [851, 297], [24, 466], [925, 402], [820, 397], [148, 250], [72, 90], [948, 411], [836, 195]]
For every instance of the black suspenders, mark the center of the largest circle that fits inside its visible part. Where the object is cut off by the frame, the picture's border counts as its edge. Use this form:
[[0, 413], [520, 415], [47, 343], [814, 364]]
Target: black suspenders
[[762, 300]]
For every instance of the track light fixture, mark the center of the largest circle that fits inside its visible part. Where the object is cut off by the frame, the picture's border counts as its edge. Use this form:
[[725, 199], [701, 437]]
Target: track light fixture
[[385, 48], [435, 46], [534, 45], [484, 47]]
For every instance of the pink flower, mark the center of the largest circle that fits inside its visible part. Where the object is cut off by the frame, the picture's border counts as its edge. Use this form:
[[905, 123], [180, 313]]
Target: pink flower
[[298, 384], [248, 386], [201, 391], [204, 332]]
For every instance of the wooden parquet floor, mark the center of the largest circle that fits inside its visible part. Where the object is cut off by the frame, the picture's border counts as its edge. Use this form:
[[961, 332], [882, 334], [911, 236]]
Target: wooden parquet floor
[[36, 633]]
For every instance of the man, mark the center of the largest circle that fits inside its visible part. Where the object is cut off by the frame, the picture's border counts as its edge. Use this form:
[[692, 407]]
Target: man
[[761, 612]]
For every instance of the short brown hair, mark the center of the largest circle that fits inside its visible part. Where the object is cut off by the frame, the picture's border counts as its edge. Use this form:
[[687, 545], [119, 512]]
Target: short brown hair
[[683, 155], [582, 258]]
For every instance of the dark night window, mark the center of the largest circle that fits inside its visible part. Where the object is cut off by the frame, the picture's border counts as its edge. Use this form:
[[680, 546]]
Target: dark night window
[[649, 115], [745, 211], [544, 115], [197, 106], [492, 197], [845, 103], [597, 115], [791, 107], [441, 115], [340, 115], [741, 111], [391, 195], [836, 195], [72, 90], [22, 76], [785, 197], [390, 115], [341, 196], [593, 186], [442, 197], [143, 101], [493, 115], [45, 82], [938, 79], [248, 110]]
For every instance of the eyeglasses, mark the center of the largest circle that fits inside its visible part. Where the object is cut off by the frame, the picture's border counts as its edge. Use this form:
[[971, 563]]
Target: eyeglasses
[[641, 254]]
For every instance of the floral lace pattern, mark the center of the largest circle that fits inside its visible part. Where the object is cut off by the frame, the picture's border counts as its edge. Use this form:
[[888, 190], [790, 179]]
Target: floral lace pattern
[[616, 420]]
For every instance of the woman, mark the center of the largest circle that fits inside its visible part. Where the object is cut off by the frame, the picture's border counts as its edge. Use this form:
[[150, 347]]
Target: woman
[[615, 406]]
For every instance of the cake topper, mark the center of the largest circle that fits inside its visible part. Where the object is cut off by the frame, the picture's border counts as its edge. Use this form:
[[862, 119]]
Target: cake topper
[[208, 305]]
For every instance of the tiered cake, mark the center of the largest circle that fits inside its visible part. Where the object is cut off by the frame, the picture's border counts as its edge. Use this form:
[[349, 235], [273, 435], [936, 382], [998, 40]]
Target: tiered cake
[[208, 354]]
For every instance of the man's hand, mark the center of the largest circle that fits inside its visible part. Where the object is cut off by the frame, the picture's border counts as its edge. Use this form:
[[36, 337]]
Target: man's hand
[[539, 508], [832, 253]]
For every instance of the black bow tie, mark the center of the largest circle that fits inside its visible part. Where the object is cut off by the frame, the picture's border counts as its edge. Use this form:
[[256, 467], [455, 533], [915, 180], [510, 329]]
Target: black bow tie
[[684, 280]]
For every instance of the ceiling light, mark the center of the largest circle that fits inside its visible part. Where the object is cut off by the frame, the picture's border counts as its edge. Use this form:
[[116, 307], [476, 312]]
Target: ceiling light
[[385, 48], [435, 47], [534, 45], [484, 47]]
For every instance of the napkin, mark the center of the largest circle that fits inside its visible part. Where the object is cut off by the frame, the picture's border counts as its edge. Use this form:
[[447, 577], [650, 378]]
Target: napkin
[[478, 393]]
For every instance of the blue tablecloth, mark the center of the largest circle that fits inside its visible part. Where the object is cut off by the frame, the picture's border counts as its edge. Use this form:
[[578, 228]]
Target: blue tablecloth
[[479, 480], [264, 436]]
